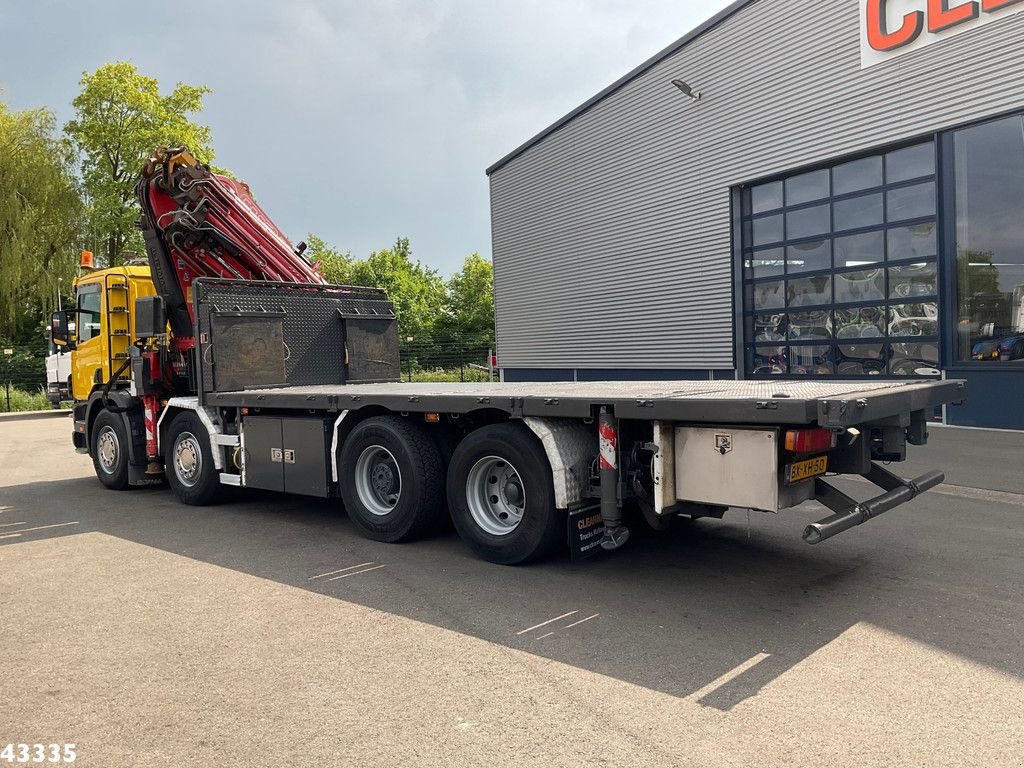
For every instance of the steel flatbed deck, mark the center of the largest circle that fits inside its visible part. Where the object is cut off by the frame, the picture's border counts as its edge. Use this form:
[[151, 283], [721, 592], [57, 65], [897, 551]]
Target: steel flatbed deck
[[831, 404]]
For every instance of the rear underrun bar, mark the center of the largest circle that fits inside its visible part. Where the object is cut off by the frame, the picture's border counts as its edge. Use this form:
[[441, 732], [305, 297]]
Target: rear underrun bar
[[850, 513]]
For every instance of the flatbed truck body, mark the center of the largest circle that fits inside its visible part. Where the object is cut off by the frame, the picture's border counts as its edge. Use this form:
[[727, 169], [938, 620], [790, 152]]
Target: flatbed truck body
[[240, 367]]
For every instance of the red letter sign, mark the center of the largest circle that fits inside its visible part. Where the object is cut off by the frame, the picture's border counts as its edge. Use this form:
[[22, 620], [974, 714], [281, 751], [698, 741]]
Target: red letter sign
[[879, 36], [941, 16]]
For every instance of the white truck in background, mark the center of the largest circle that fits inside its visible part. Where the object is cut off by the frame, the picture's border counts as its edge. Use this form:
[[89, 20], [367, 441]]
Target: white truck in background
[[58, 374]]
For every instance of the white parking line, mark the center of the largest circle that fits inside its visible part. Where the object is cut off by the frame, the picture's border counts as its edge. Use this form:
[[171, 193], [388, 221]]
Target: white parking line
[[39, 528], [10, 536], [340, 570], [356, 573], [549, 634], [545, 623], [8, 525], [730, 675], [576, 623]]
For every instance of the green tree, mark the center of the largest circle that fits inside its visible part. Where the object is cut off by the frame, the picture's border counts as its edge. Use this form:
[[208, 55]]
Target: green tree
[[470, 313], [41, 218], [417, 292], [120, 118], [335, 266]]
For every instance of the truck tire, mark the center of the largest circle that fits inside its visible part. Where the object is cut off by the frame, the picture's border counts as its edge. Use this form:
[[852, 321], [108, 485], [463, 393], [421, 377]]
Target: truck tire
[[392, 480], [110, 450], [188, 461], [501, 495]]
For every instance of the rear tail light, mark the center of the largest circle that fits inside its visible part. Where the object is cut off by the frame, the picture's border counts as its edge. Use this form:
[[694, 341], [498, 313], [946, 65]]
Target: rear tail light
[[810, 440]]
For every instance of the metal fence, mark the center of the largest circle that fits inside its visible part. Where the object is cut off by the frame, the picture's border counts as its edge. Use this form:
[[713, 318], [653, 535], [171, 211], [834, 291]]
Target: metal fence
[[447, 358], [23, 376]]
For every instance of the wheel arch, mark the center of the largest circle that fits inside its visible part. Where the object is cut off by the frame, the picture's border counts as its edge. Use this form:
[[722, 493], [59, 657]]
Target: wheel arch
[[128, 409], [207, 416]]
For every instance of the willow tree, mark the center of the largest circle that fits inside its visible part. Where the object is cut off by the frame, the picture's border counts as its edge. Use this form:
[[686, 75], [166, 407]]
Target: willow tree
[[120, 118], [41, 217]]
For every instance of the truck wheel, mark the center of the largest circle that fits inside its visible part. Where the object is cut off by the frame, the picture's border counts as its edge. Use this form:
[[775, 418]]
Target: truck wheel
[[501, 495], [391, 479], [110, 450], [188, 461]]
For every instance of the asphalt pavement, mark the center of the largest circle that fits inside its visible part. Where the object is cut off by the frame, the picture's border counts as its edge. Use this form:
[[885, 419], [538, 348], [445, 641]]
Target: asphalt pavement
[[265, 631]]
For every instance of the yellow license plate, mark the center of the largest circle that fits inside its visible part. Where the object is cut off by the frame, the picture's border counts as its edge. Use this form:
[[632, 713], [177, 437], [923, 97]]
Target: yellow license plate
[[804, 470]]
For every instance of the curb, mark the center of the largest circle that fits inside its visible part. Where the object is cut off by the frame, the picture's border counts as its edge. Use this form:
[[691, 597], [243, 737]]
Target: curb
[[20, 415]]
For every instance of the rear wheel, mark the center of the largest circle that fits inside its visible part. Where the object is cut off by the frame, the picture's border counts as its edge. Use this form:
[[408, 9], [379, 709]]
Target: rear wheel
[[188, 461], [501, 495], [392, 479], [110, 450]]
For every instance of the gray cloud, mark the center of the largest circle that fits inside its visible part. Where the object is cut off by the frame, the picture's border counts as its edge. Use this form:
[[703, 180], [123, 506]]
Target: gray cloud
[[359, 121]]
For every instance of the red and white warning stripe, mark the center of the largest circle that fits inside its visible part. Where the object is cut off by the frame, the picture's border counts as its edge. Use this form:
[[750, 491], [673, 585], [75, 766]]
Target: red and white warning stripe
[[607, 438]]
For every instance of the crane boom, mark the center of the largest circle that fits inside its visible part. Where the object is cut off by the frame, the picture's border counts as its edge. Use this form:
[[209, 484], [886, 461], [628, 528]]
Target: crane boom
[[197, 223]]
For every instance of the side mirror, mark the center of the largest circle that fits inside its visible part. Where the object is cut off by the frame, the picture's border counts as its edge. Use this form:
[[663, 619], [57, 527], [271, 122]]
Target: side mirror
[[59, 329], [150, 319]]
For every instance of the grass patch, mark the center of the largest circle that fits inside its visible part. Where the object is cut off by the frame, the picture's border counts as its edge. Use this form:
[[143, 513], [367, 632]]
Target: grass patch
[[445, 375], [23, 400]]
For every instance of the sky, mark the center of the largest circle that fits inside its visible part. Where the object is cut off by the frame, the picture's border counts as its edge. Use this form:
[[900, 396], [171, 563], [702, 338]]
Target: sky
[[356, 121]]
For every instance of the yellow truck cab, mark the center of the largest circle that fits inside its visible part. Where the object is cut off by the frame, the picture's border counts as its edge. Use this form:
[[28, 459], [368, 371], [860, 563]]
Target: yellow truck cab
[[108, 424], [105, 326]]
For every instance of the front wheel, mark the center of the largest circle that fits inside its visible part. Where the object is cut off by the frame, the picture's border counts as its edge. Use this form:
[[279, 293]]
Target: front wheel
[[110, 450], [501, 495], [188, 461]]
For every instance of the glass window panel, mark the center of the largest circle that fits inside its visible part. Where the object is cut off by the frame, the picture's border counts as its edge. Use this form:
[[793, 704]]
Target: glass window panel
[[858, 175], [766, 197], [813, 325], [915, 359], [914, 242], [912, 280], [861, 360], [767, 230], [862, 285], [809, 256], [810, 291], [766, 263], [914, 319], [88, 320], [807, 187], [769, 361], [769, 327], [769, 295], [808, 222], [914, 202], [859, 250], [811, 360], [860, 322], [858, 212], [989, 173], [910, 163]]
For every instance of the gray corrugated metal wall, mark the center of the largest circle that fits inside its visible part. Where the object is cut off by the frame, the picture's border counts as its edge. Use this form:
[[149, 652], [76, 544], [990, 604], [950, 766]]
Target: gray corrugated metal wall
[[611, 236]]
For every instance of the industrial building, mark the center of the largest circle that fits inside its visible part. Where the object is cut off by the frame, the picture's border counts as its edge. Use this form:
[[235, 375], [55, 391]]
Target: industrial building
[[796, 189]]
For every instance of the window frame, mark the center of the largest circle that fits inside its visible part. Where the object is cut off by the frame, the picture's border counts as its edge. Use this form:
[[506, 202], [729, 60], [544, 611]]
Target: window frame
[[949, 247], [88, 290], [746, 347]]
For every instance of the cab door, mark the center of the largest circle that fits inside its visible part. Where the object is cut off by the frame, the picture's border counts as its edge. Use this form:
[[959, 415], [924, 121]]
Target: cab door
[[90, 353]]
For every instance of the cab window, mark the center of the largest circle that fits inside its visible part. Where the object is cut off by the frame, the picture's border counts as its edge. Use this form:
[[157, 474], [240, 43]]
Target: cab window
[[88, 321]]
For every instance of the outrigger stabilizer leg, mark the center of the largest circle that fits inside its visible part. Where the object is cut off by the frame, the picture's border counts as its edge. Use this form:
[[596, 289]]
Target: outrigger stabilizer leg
[[615, 533], [850, 512]]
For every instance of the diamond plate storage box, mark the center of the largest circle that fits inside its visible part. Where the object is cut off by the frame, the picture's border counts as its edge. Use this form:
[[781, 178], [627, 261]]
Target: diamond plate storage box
[[261, 334], [733, 468]]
